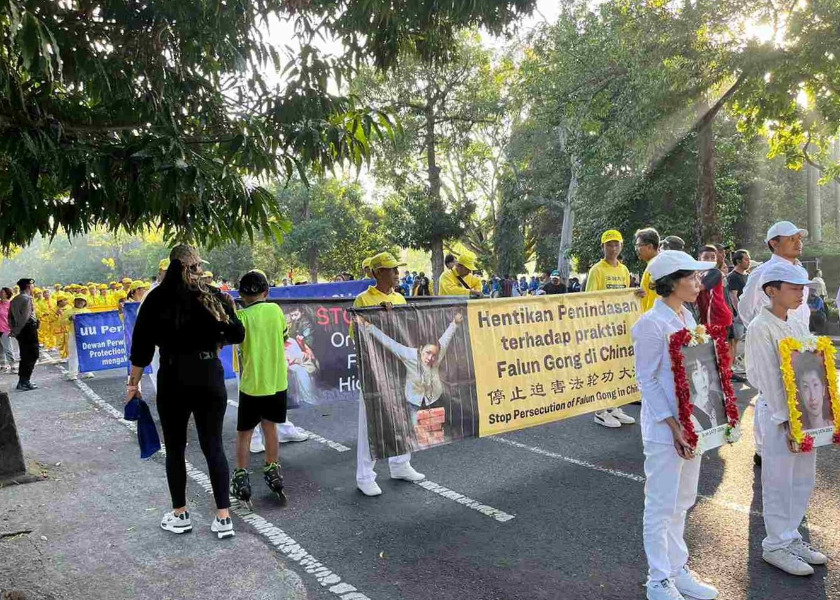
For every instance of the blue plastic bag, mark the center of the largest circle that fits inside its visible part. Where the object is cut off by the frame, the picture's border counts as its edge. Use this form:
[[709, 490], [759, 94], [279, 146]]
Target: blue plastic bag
[[147, 435]]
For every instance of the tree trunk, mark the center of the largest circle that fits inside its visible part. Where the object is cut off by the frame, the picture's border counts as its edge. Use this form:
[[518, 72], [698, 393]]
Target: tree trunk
[[706, 228], [312, 251], [435, 201], [835, 189], [814, 203]]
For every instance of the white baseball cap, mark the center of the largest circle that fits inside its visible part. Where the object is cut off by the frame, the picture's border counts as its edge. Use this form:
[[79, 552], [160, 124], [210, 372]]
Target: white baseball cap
[[784, 228], [786, 272], [671, 261]]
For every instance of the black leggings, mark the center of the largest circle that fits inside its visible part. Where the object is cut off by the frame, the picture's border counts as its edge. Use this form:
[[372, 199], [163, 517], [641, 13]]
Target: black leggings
[[192, 386]]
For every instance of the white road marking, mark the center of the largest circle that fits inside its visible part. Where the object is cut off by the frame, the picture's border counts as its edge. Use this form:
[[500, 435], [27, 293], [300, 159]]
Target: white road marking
[[273, 534], [746, 510], [313, 436], [489, 511]]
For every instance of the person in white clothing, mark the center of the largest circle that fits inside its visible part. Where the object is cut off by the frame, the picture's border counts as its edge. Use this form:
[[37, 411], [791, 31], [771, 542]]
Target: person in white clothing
[[671, 467], [785, 242], [787, 474]]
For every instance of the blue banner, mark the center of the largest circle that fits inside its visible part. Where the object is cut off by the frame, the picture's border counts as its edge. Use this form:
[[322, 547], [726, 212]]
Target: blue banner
[[100, 341], [130, 315], [338, 289]]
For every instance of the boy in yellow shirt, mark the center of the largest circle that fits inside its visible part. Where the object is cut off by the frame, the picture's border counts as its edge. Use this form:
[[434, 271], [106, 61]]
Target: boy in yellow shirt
[[610, 274]]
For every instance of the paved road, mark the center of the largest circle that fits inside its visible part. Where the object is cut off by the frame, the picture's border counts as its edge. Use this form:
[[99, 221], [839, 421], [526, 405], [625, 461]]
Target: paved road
[[574, 489]]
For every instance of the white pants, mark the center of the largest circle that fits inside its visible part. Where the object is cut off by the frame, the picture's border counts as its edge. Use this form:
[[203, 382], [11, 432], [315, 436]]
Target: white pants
[[72, 353], [286, 428], [670, 490], [758, 427], [787, 480], [155, 367], [364, 463]]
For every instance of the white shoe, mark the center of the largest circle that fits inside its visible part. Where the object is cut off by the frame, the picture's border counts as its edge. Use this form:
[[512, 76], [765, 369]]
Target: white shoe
[[663, 590], [70, 377], [406, 471], [788, 562], [298, 436], [222, 527], [176, 523], [689, 585], [622, 416], [369, 488], [807, 553], [88, 375], [257, 444], [606, 419]]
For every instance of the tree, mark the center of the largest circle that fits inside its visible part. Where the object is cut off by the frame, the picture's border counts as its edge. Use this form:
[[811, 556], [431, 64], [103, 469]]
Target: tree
[[433, 169], [136, 114], [333, 228]]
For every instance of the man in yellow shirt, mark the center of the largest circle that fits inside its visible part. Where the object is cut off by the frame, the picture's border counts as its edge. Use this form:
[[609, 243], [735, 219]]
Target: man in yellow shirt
[[610, 274], [647, 248], [459, 280], [386, 271]]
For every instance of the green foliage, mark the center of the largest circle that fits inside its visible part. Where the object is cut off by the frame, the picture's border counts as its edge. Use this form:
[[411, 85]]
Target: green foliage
[[413, 220], [333, 228], [129, 115]]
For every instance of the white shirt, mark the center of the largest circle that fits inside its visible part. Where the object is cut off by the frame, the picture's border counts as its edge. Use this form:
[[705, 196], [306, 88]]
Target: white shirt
[[754, 299], [820, 287], [417, 386], [651, 335], [763, 359]]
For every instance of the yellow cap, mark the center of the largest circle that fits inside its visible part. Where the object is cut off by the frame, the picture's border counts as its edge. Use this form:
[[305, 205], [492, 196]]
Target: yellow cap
[[102, 286], [57, 286], [80, 297], [467, 259], [301, 279], [163, 264], [126, 280], [384, 260], [136, 285], [38, 290], [366, 263], [611, 235]]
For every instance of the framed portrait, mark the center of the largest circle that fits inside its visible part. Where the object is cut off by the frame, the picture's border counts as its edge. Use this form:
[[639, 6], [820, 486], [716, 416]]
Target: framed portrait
[[701, 365], [810, 379]]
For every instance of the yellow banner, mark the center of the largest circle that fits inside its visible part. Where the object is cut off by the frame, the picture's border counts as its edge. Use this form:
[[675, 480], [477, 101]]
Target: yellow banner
[[544, 358]]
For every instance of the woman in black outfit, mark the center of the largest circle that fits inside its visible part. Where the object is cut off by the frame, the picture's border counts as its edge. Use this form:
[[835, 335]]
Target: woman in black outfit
[[189, 321]]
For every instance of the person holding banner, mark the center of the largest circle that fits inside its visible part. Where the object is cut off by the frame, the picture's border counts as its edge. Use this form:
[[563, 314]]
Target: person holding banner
[[671, 468], [787, 474], [459, 280], [385, 269], [189, 323], [610, 274], [80, 303]]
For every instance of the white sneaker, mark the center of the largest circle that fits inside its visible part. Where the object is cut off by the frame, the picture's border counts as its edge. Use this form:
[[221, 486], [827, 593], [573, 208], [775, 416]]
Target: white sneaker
[[788, 562], [295, 435], [663, 590], [606, 419], [222, 527], [406, 471], [70, 377], [688, 584], [622, 416], [176, 523], [257, 445], [88, 375], [369, 488], [804, 551]]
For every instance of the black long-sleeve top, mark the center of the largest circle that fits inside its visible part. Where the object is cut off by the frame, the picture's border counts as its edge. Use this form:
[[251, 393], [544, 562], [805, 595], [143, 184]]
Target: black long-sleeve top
[[190, 330]]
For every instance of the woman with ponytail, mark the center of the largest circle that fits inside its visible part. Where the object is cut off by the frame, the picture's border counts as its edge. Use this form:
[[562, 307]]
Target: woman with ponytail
[[189, 321]]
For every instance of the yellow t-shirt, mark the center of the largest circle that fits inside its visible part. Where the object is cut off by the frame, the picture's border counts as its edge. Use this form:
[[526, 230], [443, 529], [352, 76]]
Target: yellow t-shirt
[[373, 297], [650, 296], [450, 286], [604, 276]]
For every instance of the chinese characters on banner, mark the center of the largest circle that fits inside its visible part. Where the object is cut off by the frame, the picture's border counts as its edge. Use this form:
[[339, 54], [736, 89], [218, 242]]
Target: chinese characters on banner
[[432, 374]]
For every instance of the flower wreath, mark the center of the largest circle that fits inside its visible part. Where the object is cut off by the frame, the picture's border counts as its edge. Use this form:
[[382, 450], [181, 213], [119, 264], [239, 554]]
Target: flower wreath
[[821, 345], [703, 335]]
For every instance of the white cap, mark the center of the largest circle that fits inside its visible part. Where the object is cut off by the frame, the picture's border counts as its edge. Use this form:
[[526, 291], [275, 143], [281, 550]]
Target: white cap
[[786, 272], [671, 261], [784, 228]]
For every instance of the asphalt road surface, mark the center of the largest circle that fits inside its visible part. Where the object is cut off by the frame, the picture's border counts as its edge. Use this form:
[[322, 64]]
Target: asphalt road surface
[[574, 491]]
